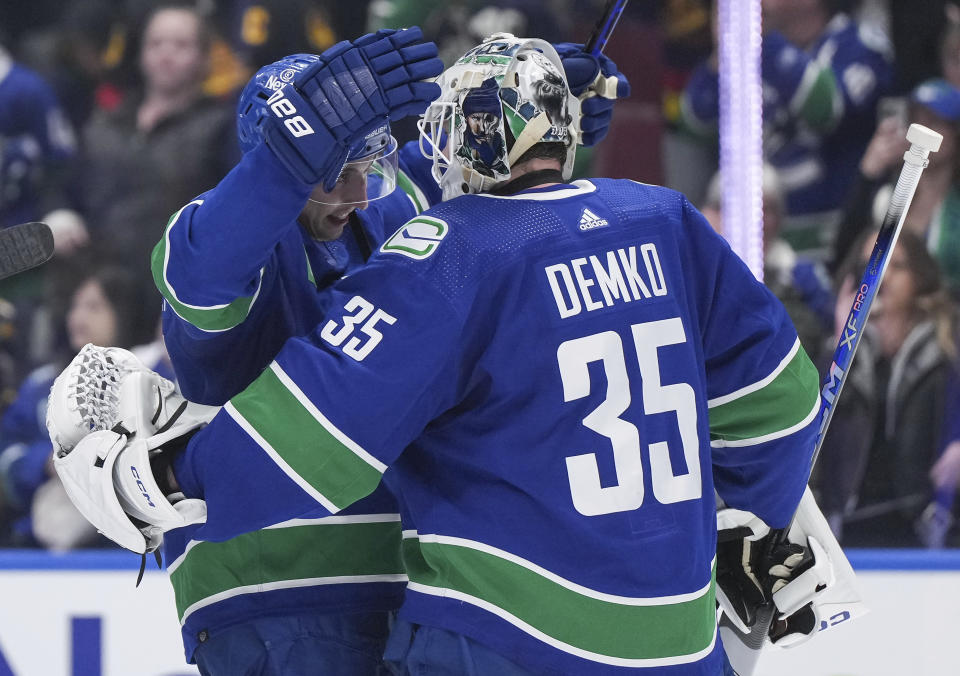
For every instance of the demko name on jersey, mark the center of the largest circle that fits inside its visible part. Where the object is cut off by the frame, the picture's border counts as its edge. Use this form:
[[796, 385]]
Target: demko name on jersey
[[597, 281]]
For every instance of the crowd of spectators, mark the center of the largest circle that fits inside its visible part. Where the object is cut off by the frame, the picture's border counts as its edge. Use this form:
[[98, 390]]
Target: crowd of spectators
[[115, 113]]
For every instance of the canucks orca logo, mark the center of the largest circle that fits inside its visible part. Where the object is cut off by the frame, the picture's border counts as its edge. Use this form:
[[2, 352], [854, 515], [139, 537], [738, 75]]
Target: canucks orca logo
[[418, 239]]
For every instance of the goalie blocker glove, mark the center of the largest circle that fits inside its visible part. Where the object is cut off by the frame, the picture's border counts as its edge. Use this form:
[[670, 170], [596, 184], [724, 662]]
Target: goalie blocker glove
[[318, 107], [597, 82], [754, 566]]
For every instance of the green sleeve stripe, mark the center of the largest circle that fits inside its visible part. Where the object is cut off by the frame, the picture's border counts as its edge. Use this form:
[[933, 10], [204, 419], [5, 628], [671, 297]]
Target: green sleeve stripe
[[212, 318], [760, 384], [406, 184], [616, 630], [338, 550], [780, 404], [817, 100], [310, 449], [719, 442]]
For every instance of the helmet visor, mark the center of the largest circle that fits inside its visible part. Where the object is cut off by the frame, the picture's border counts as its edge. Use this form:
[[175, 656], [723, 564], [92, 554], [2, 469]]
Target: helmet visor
[[363, 180]]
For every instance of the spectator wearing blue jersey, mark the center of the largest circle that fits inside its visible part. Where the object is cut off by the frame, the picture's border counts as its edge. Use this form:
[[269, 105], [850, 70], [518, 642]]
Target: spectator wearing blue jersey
[[801, 283], [37, 182], [37, 152], [822, 76], [488, 355]]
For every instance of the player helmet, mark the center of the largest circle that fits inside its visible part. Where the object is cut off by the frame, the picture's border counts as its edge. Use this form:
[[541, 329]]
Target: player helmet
[[374, 154], [496, 102]]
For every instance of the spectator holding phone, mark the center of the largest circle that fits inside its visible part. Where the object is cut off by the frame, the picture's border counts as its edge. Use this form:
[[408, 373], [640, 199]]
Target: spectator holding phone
[[934, 214]]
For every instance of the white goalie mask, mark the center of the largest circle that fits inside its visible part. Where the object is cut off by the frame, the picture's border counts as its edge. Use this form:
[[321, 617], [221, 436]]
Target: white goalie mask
[[496, 102]]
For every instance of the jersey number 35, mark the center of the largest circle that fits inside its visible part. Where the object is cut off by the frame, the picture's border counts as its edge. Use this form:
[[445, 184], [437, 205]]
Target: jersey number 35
[[573, 357]]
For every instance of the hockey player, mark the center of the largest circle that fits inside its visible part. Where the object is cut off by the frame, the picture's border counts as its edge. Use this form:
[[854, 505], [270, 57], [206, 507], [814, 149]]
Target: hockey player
[[240, 268], [558, 376]]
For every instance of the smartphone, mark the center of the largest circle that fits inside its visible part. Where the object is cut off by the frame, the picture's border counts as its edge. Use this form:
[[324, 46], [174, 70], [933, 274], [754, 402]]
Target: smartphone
[[895, 107]]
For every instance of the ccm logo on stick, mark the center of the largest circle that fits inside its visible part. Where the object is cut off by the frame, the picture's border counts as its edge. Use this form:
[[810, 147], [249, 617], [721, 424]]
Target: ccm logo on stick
[[282, 108]]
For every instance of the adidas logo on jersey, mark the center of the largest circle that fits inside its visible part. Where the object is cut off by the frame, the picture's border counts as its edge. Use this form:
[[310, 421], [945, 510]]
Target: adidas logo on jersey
[[589, 220]]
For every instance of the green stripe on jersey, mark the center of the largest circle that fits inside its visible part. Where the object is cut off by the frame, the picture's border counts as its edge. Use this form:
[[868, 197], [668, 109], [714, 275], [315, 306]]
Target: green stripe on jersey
[[780, 404], [314, 553], [309, 447], [569, 617], [205, 318], [310, 276], [819, 104], [406, 184]]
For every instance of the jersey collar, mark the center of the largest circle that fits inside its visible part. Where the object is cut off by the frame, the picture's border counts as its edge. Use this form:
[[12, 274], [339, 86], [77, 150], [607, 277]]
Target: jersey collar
[[549, 193]]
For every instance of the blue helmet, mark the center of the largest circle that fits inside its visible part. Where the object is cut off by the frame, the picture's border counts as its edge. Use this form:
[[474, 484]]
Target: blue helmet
[[252, 107]]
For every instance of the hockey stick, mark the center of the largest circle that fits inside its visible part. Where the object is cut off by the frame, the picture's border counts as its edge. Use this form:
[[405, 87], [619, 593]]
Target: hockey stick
[[606, 24], [23, 247], [923, 141], [603, 86]]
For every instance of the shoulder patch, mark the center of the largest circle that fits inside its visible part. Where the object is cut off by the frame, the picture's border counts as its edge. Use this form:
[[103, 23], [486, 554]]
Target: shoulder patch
[[418, 238]]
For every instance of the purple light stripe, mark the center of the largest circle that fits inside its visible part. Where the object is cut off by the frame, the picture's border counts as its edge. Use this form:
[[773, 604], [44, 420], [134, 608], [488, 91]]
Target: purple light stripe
[[741, 129]]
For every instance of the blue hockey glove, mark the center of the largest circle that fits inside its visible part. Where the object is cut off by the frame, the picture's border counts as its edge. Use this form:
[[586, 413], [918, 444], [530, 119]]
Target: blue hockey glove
[[402, 62], [350, 90], [596, 95]]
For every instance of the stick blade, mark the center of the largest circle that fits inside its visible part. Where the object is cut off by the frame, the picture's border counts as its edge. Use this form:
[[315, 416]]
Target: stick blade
[[23, 247], [742, 650]]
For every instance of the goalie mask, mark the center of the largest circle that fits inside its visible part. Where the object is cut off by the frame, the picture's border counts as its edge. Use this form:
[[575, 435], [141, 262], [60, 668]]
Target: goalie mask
[[373, 157], [497, 101]]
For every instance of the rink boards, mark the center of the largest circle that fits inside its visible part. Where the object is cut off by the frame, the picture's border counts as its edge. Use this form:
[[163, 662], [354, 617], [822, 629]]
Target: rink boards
[[80, 615]]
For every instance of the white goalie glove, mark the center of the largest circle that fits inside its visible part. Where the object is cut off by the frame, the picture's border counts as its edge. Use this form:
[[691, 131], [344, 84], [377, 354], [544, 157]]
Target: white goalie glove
[[109, 418], [808, 577]]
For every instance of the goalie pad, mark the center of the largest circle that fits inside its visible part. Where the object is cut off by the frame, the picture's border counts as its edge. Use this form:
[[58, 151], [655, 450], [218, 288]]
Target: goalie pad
[[110, 482]]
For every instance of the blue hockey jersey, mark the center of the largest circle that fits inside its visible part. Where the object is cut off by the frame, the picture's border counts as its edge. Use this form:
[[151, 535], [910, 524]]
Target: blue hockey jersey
[[553, 384], [819, 112], [239, 276]]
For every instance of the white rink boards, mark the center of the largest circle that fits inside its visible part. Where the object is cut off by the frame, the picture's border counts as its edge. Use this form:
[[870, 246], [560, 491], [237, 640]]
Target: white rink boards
[[80, 615], [911, 629]]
